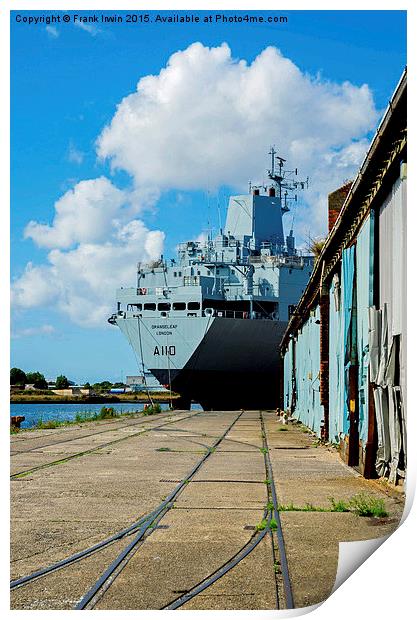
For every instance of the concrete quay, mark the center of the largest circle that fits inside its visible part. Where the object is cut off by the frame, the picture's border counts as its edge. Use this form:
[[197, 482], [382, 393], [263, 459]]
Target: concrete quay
[[75, 486]]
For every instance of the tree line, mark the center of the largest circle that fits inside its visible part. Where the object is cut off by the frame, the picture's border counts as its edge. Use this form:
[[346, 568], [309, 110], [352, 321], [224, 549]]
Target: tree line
[[20, 378], [37, 379]]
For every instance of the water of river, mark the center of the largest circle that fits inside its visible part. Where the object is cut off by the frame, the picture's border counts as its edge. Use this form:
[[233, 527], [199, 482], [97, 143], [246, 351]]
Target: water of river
[[67, 411]]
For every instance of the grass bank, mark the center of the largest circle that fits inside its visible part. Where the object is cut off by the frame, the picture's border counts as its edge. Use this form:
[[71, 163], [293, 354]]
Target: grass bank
[[105, 413], [140, 397]]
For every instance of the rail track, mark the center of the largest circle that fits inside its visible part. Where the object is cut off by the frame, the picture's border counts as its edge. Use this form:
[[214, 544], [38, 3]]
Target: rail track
[[143, 528], [109, 423], [91, 450]]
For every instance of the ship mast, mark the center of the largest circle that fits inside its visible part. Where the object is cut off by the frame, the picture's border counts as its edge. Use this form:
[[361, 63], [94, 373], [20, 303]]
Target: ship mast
[[284, 179]]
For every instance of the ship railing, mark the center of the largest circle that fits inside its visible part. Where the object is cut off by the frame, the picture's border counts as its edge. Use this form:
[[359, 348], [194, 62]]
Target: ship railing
[[241, 314], [232, 314], [288, 261], [235, 292], [157, 290], [292, 261], [191, 280]]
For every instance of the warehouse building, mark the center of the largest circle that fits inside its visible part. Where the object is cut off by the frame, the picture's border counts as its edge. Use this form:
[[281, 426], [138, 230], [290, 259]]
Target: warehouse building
[[344, 350]]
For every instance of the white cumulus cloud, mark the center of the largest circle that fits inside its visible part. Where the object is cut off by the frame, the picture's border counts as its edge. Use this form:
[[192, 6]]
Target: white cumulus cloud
[[206, 120], [83, 214], [94, 245]]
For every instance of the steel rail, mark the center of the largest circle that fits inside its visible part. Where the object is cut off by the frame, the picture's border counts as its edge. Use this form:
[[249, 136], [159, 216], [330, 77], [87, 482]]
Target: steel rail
[[220, 572], [80, 555], [279, 533], [55, 443], [166, 504], [149, 523], [104, 445], [89, 550], [109, 430], [125, 556], [250, 545]]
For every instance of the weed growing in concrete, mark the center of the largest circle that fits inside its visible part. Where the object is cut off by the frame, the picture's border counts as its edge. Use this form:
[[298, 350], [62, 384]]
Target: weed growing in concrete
[[163, 450], [264, 450], [310, 508], [287, 507], [83, 416], [48, 424], [277, 568], [273, 524], [261, 526], [267, 481], [339, 505], [306, 508], [270, 506], [361, 504], [283, 428], [151, 409], [367, 506], [107, 413]]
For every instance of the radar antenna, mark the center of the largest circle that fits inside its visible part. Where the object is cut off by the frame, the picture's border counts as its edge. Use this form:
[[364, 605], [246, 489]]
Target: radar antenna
[[284, 180]]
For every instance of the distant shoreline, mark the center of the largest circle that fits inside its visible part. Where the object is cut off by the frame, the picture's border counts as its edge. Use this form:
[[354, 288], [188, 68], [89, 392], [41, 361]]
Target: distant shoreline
[[93, 400]]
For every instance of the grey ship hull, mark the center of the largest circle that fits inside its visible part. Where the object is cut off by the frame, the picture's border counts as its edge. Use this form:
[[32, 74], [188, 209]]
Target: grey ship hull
[[236, 365], [209, 324]]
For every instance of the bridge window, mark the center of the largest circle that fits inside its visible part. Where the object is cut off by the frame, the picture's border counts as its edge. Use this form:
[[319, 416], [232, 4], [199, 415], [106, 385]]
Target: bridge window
[[164, 307], [175, 274], [193, 305], [179, 274], [149, 307], [179, 305]]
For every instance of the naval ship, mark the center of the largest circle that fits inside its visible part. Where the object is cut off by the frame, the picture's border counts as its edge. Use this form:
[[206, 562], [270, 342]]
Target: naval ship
[[207, 325]]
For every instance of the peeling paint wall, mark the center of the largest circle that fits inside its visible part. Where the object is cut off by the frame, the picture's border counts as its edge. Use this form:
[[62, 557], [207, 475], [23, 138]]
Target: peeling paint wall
[[307, 407], [336, 362], [359, 282], [364, 288]]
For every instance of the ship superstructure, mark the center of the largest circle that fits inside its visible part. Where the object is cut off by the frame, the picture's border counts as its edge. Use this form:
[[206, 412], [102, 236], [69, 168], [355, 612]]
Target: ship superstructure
[[208, 323]]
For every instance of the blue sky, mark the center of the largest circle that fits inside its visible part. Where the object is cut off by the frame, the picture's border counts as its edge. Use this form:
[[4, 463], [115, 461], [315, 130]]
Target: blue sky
[[66, 82]]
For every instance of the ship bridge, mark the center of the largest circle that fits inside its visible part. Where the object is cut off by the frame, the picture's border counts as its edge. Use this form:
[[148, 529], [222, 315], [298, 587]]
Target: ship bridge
[[256, 221]]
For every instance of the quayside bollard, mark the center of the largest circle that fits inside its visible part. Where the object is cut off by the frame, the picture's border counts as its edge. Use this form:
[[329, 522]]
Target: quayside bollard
[[16, 421]]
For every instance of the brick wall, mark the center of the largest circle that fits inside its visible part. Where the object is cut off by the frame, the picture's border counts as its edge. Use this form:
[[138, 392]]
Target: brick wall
[[336, 200]]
